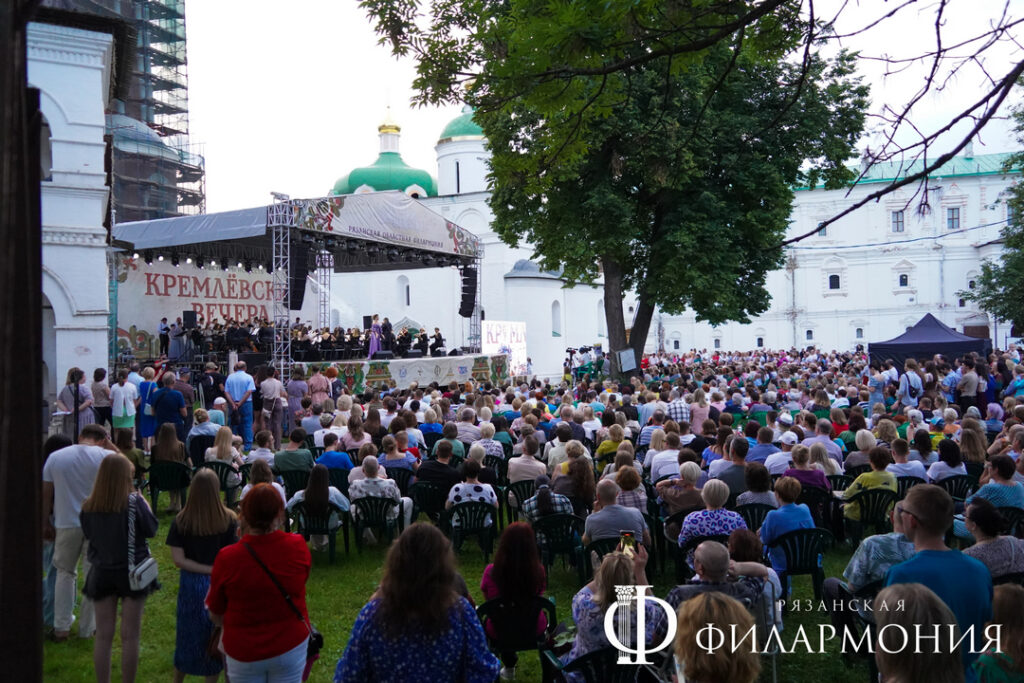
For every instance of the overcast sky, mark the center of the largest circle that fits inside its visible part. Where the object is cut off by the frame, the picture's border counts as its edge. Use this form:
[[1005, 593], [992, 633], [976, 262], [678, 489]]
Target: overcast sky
[[288, 97]]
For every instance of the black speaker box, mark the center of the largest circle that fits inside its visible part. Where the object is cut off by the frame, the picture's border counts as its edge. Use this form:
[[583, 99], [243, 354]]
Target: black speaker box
[[189, 320], [253, 360], [383, 355], [367, 321], [414, 353], [468, 293]]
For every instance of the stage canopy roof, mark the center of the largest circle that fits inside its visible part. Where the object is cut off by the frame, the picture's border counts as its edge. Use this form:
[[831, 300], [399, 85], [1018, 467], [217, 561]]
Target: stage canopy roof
[[925, 339], [373, 231]]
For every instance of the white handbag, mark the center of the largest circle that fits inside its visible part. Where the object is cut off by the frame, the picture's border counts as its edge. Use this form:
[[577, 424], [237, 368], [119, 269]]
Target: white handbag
[[140, 576]]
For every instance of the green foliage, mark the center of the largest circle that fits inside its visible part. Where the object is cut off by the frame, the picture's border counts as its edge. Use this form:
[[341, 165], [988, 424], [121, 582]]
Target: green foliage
[[688, 195], [1000, 288]]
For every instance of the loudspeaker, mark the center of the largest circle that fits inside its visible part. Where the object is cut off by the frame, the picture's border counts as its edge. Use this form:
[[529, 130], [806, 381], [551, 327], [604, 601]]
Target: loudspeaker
[[414, 353], [298, 271], [253, 360], [189, 320], [383, 355], [367, 321], [468, 292], [453, 352]]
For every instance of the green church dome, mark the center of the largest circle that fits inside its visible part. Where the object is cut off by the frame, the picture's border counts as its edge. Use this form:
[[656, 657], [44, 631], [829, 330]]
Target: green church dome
[[461, 127], [389, 172]]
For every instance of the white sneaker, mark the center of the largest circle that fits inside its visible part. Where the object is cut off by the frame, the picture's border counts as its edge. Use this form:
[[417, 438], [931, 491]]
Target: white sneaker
[[508, 673]]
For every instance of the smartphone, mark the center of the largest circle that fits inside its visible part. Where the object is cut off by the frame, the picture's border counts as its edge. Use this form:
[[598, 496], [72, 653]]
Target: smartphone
[[628, 542]]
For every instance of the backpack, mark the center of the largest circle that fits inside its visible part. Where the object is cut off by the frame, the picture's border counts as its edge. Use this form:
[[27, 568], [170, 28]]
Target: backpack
[[913, 391]]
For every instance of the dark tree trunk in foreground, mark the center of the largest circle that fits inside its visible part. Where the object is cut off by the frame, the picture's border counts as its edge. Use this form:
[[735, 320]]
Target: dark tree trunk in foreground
[[21, 646]]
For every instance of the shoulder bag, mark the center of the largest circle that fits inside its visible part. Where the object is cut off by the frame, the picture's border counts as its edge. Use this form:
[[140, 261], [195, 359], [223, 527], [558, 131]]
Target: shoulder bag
[[140, 576], [147, 407], [316, 639]]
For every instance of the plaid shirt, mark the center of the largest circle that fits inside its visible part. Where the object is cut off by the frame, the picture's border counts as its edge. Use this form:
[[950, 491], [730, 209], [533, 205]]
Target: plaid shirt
[[560, 505], [678, 410]]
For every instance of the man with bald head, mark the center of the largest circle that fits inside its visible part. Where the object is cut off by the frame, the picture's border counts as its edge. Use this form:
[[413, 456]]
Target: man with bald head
[[610, 519], [716, 572]]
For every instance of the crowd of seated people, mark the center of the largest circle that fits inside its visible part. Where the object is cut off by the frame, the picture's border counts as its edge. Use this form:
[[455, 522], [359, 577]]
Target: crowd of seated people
[[625, 457]]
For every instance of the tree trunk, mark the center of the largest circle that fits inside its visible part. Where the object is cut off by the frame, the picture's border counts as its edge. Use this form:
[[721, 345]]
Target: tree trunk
[[613, 313], [641, 326]]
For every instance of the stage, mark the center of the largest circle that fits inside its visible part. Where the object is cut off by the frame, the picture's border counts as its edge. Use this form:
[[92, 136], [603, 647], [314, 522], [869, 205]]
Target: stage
[[401, 373]]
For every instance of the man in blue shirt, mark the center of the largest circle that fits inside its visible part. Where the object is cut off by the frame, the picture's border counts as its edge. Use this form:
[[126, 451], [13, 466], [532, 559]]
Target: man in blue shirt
[[332, 458], [239, 388], [763, 448], [960, 581], [789, 516], [169, 406]]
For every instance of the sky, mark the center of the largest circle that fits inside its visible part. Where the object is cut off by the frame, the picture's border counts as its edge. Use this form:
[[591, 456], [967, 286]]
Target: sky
[[287, 97]]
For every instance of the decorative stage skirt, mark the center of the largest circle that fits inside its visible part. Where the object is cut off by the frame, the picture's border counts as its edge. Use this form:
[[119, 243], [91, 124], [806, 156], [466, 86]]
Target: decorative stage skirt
[[194, 628]]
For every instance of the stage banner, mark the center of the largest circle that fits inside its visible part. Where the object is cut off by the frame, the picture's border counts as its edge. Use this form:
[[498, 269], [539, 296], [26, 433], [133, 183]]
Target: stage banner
[[502, 336], [147, 293], [359, 376]]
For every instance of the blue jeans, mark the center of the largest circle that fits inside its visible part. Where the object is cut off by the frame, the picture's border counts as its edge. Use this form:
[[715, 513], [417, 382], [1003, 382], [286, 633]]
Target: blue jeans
[[284, 668], [244, 429]]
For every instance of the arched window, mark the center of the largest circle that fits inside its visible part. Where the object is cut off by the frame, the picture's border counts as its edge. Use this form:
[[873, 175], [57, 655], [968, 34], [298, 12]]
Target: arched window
[[962, 303], [675, 344], [404, 291], [45, 151], [904, 280], [760, 342], [809, 334], [859, 333], [556, 319], [971, 284], [602, 324], [718, 343], [833, 282]]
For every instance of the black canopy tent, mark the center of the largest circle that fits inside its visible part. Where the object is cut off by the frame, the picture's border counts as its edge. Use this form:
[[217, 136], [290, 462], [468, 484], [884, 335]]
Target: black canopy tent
[[925, 339]]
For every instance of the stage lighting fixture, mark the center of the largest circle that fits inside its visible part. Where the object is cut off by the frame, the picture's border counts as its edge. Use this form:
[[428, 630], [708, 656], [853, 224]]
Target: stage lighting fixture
[[238, 265], [160, 257], [213, 264], [331, 243], [149, 258], [199, 262], [175, 261], [260, 266], [223, 265], [428, 261], [308, 238], [188, 260], [392, 254], [352, 247], [135, 255], [248, 266], [270, 267]]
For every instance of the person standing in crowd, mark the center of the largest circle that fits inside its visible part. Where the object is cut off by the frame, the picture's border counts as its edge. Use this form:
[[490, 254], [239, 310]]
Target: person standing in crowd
[[197, 534], [68, 477], [416, 627], [75, 392], [147, 421], [240, 387], [262, 638], [105, 519], [274, 402], [101, 397], [53, 443], [319, 386], [124, 403], [183, 385], [297, 390], [169, 406], [212, 385]]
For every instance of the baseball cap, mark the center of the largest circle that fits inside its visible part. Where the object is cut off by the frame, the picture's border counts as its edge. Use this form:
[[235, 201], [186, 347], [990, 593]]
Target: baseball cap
[[786, 419], [789, 438], [220, 401]]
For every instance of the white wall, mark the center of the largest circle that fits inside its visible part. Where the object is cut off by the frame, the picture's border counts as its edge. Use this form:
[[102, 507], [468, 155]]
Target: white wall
[[72, 70]]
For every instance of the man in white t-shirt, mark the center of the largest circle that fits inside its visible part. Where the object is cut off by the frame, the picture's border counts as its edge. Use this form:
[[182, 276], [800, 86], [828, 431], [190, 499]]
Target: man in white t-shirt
[[68, 476], [778, 463], [666, 462]]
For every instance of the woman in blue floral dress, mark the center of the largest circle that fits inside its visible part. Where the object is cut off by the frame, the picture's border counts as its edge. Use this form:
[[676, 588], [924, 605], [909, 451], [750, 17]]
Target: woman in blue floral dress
[[416, 627]]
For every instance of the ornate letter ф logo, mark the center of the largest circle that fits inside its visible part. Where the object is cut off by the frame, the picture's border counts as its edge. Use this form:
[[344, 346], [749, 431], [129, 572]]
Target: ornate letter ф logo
[[620, 630]]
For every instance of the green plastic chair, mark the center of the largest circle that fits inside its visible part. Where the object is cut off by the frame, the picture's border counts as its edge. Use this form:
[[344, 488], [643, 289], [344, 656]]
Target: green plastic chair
[[753, 514], [514, 623], [308, 524], [558, 535], [339, 479], [522, 491], [294, 480], [372, 513], [958, 487], [875, 505], [224, 471], [599, 666], [904, 484], [805, 552], [601, 547], [429, 498], [167, 475], [839, 482], [471, 519], [402, 478]]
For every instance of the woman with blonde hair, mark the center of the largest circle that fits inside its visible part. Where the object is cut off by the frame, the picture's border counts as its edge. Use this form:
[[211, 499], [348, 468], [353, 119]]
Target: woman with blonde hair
[[695, 664], [223, 451], [973, 445], [910, 607], [885, 432], [167, 447], [105, 522], [197, 534], [592, 601], [657, 443], [700, 409]]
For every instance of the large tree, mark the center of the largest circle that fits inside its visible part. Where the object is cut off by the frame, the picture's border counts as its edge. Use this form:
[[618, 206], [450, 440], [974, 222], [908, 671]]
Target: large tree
[[1000, 288], [682, 199]]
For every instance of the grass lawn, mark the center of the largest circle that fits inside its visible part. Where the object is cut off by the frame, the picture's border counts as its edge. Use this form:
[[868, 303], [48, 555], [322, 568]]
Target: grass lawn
[[336, 593]]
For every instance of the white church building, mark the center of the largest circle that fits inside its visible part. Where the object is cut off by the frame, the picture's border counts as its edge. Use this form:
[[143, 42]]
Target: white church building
[[866, 277]]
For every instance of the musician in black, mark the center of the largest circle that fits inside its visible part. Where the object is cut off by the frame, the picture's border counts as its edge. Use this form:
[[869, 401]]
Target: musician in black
[[422, 343], [387, 336], [438, 341], [404, 342]]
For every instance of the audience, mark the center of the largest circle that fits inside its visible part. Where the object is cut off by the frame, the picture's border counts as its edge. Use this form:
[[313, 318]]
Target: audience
[[701, 665], [914, 608], [1005, 662], [789, 516]]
